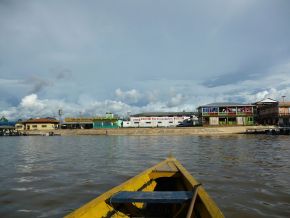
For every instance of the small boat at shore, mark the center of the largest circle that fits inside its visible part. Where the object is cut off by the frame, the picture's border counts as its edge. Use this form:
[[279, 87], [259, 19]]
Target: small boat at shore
[[164, 190]]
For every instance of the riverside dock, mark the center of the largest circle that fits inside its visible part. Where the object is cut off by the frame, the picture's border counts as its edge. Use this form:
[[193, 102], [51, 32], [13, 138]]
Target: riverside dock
[[275, 130], [9, 131]]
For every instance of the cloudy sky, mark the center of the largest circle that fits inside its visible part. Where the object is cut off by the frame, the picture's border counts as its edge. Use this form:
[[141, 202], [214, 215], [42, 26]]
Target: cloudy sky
[[89, 57]]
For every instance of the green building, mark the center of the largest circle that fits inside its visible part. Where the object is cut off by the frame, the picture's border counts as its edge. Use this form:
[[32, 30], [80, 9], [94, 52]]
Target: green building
[[109, 121]]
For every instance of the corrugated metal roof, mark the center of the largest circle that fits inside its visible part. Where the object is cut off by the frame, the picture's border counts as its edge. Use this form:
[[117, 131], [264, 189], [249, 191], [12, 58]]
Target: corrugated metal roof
[[163, 114], [41, 120], [267, 101], [104, 119], [66, 123], [78, 119], [225, 104], [7, 127]]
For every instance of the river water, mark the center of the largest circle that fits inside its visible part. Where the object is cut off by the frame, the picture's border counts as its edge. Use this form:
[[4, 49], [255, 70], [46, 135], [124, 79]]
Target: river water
[[247, 175]]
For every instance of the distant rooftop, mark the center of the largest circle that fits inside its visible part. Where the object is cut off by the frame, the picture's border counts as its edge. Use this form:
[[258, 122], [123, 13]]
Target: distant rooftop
[[267, 101], [41, 120], [7, 127], [163, 114], [225, 104]]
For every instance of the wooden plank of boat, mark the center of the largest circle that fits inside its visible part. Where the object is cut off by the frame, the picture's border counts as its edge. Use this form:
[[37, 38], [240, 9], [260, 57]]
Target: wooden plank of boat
[[164, 190]]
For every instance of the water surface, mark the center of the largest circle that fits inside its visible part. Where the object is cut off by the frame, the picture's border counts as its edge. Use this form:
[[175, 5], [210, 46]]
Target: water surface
[[247, 175]]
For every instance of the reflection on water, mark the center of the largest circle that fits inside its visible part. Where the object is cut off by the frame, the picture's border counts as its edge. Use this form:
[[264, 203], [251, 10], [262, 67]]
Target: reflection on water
[[248, 176]]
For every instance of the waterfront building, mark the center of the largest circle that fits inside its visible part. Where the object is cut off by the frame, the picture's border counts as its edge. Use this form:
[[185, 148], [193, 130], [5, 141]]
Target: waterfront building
[[224, 114], [109, 121], [272, 112], [162, 119], [77, 123], [38, 124]]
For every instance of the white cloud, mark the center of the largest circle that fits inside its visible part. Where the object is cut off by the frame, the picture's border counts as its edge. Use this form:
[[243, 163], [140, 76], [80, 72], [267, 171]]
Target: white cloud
[[130, 96], [176, 100], [186, 97], [31, 101], [32, 106]]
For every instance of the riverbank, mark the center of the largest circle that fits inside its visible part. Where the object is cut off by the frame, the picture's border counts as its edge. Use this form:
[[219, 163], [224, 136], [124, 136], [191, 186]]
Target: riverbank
[[149, 131]]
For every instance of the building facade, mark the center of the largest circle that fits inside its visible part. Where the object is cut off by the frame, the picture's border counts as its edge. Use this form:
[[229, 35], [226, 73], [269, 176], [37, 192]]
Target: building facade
[[161, 119], [284, 114], [226, 114], [38, 124], [109, 121], [77, 123], [272, 112]]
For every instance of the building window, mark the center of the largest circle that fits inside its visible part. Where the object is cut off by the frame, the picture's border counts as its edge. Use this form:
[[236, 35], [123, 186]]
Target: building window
[[43, 126], [170, 122], [34, 126], [148, 122], [210, 109], [136, 122], [159, 122]]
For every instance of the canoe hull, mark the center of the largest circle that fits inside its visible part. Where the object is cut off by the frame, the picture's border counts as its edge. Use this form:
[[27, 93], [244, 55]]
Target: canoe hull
[[169, 175]]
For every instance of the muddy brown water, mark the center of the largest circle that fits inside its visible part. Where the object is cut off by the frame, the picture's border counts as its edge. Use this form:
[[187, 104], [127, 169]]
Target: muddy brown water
[[247, 175]]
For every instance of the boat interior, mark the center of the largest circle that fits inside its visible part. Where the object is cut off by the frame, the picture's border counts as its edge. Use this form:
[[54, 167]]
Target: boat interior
[[164, 190], [167, 194]]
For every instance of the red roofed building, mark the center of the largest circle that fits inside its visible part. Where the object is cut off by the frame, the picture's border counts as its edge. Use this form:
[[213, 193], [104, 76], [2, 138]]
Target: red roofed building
[[38, 124]]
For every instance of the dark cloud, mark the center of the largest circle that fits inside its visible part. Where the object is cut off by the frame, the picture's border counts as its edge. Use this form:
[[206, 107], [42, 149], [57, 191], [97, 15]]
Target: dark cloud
[[252, 71], [8, 99], [64, 74], [61, 72], [6, 2], [37, 84], [93, 48], [226, 79]]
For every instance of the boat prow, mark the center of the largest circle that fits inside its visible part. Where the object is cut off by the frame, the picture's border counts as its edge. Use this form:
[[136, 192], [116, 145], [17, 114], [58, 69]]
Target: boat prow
[[164, 190]]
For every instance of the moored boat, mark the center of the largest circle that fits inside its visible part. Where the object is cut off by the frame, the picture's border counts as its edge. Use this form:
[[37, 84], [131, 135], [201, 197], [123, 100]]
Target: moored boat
[[164, 190]]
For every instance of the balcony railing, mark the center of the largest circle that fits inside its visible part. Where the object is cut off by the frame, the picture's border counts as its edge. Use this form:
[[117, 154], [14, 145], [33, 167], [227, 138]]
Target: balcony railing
[[227, 113]]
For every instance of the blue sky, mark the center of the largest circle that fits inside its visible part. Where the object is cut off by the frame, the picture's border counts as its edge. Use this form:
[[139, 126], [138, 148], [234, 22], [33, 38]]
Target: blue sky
[[131, 56]]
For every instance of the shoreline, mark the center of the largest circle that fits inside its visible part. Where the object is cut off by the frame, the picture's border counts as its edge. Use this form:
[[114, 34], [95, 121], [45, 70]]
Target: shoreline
[[149, 131]]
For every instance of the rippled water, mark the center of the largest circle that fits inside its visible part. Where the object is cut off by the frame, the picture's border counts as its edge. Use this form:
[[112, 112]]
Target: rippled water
[[247, 175]]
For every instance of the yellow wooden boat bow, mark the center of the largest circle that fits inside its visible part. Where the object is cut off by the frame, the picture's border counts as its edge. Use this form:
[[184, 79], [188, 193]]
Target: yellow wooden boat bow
[[164, 190]]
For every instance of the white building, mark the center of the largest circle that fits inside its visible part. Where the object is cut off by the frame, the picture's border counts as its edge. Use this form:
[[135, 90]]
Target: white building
[[162, 119]]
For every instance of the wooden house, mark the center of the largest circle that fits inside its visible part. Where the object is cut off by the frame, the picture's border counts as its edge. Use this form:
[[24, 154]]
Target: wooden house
[[225, 114]]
